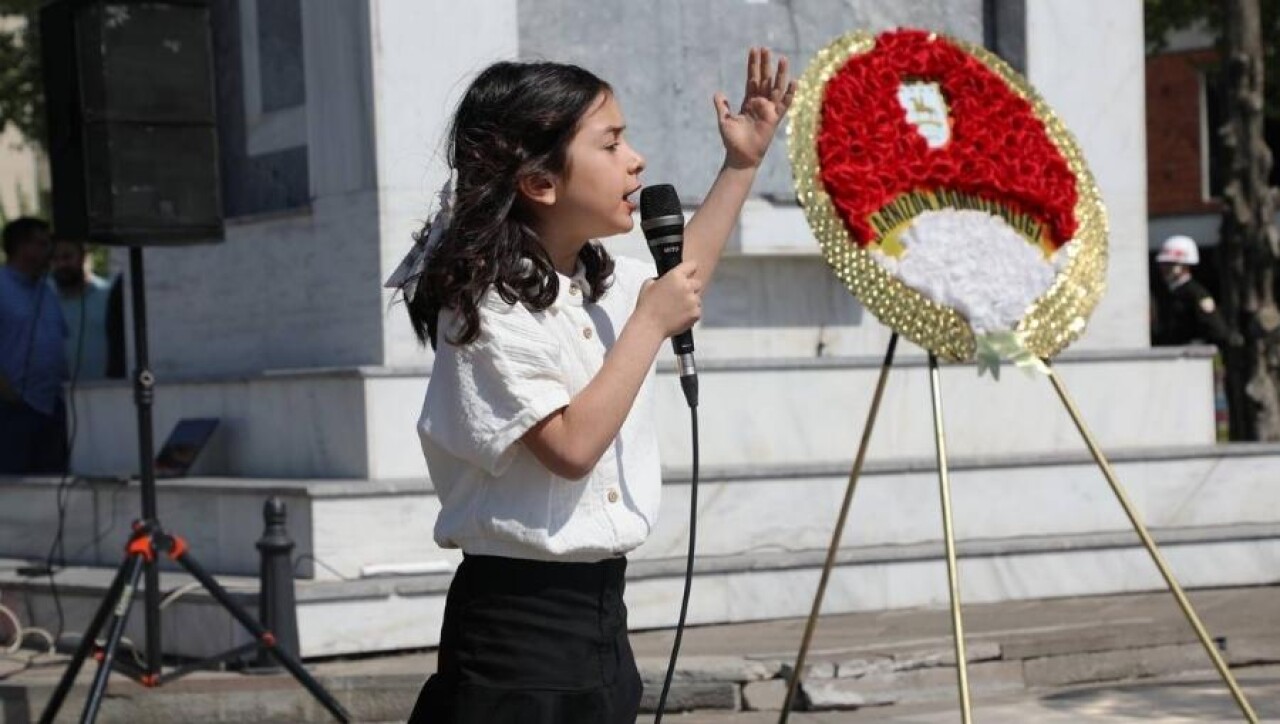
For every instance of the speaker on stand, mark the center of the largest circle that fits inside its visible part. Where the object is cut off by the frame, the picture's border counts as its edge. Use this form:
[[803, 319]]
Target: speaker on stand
[[133, 153]]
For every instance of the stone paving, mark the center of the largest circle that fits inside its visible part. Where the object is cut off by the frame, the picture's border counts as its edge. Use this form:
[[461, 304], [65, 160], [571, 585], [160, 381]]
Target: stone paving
[[1168, 700], [1115, 658]]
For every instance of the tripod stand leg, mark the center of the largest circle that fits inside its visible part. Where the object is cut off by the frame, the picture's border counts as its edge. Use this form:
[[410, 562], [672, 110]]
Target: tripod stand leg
[[854, 473], [151, 610], [1150, 545], [87, 642], [953, 572], [120, 617], [264, 636]]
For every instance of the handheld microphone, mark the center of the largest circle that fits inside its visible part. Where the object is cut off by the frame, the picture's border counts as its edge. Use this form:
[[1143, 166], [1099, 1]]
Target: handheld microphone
[[663, 224]]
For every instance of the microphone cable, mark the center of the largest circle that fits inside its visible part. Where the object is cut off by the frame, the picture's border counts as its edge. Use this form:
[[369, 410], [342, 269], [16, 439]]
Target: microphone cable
[[691, 396], [662, 220], [62, 494]]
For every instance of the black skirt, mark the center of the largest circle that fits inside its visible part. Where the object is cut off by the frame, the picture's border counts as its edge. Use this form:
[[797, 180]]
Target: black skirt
[[533, 642]]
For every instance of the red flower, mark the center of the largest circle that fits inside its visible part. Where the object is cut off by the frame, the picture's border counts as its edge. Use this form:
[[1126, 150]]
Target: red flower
[[869, 153]]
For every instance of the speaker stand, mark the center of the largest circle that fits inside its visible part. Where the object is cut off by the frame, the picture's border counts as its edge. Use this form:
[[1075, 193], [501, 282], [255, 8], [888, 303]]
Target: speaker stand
[[148, 541]]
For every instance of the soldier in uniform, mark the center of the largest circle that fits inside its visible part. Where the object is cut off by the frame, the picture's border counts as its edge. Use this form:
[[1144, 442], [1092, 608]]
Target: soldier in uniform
[[1190, 315]]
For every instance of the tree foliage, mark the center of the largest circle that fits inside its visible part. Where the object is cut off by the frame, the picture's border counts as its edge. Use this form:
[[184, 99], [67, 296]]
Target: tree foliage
[[21, 92], [1165, 17]]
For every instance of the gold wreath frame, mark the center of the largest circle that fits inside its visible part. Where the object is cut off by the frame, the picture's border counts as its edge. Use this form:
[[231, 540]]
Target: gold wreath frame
[[1053, 320]]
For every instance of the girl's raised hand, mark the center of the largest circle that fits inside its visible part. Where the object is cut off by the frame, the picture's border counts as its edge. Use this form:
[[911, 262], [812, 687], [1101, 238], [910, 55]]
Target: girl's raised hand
[[748, 133]]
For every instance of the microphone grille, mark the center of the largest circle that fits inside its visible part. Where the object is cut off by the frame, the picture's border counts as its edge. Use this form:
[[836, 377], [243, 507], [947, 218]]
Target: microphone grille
[[658, 201]]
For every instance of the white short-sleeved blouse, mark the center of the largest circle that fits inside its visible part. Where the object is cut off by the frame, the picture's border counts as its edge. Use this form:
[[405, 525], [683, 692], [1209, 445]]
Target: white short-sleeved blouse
[[496, 498]]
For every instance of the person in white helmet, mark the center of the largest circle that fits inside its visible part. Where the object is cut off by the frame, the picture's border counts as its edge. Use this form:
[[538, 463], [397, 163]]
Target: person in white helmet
[[1191, 314]]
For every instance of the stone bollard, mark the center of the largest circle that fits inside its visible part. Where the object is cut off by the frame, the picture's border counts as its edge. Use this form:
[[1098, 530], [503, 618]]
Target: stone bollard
[[276, 607]]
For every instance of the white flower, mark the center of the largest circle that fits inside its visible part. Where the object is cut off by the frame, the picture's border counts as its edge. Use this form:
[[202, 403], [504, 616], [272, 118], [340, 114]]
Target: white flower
[[975, 263]]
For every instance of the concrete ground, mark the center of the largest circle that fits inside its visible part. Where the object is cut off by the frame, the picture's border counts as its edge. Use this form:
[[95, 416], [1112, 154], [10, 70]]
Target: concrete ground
[[1104, 659], [1171, 700]]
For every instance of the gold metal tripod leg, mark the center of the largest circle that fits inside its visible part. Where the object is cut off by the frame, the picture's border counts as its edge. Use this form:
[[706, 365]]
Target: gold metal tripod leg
[[856, 471], [953, 573], [1150, 544]]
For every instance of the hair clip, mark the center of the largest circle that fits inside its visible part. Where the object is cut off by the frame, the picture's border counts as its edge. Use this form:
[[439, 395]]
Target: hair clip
[[406, 275]]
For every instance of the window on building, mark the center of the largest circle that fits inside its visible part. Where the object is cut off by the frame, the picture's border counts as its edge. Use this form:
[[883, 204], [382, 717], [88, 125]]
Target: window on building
[[281, 83], [262, 112], [1212, 158]]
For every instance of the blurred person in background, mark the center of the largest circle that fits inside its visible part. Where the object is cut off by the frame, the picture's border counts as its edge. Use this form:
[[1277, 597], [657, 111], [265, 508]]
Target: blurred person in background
[[92, 307], [33, 363], [1190, 313]]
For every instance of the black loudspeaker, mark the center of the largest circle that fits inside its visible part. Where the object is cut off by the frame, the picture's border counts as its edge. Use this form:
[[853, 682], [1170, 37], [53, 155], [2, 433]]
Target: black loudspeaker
[[133, 144]]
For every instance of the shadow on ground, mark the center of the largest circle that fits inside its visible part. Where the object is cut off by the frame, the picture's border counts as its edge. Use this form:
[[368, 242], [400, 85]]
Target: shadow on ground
[[1197, 699]]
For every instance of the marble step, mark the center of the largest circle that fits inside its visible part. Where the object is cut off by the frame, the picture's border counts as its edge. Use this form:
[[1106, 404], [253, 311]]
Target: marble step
[[404, 612], [360, 423], [346, 529]]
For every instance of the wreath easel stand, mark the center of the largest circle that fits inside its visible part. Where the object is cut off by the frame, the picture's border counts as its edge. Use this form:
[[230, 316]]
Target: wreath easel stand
[[953, 573], [858, 202]]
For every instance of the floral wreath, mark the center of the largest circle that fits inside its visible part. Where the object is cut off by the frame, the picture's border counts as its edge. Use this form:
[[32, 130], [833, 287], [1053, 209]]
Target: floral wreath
[[947, 196]]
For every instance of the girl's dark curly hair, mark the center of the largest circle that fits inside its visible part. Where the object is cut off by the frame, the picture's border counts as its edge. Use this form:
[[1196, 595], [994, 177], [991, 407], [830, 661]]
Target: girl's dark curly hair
[[515, 120]]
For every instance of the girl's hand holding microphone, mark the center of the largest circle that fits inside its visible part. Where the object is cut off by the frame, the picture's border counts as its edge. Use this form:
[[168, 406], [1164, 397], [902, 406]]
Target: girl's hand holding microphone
[[672, 303]]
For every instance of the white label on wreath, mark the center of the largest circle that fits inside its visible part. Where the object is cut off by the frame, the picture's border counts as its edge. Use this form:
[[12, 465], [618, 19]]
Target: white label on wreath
[[926, 109]]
